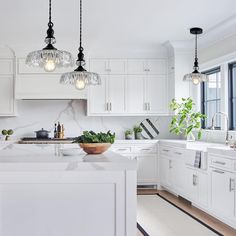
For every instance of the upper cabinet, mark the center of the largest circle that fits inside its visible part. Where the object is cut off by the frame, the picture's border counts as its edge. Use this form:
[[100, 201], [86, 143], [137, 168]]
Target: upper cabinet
[[35, 83], [132, 87], [7, 102]]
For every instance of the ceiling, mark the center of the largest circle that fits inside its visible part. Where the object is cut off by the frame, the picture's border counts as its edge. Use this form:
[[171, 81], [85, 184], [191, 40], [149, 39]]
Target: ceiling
[[111, 23]]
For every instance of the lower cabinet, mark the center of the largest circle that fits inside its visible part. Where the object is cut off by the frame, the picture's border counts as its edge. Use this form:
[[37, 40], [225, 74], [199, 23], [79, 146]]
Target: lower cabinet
[[165, 179], [146, 156], [223, 193], [196, 187], [147, 169]]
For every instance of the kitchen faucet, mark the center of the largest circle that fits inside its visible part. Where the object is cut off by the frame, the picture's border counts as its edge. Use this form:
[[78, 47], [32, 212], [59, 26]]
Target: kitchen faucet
[[227, 123]]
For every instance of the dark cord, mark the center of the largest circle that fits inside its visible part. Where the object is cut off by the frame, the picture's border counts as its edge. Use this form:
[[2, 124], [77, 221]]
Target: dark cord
[[80, 38]]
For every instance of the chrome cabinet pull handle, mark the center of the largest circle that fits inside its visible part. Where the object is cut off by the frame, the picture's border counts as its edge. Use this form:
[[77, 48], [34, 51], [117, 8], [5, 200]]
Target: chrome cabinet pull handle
[[231, 184], [170, 166], [110, 106], [145, 149], [218, 171], [178, 153], [121, 149], [194, 180], [165, 150], [107, 108], [219, 162], [149, 107]]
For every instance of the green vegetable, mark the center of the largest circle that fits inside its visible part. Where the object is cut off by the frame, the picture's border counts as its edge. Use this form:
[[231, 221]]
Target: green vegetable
[[4, 132], [137, 129], [185, 119], [92, 137], [7, 132], [129, 132]]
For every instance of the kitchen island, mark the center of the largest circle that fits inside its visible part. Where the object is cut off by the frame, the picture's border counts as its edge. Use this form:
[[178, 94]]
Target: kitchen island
[[43, 193]]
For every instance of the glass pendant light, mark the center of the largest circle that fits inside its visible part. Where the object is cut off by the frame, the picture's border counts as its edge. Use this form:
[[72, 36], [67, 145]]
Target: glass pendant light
[[80, 78], [49, 57], [196, 77]]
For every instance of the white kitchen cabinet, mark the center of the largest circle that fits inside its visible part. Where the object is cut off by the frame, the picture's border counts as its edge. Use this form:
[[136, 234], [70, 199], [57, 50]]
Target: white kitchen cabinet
[[190, 185], [104, 66], [147, 169], [223, 193], [147, 66], [135, 94], [146, 156], [7, 101], [156, 94], [134, 87], [165, 177], [109, 97], [98, 97], [116, 93]]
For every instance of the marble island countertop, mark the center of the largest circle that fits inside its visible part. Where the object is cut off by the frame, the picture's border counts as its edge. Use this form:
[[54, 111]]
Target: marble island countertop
[[43, 157]]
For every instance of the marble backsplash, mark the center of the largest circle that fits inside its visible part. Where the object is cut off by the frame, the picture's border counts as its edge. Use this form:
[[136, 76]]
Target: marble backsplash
[[36, 114]]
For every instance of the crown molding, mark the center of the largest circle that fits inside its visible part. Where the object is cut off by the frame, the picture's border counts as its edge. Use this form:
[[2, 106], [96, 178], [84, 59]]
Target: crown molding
[[217, 33]]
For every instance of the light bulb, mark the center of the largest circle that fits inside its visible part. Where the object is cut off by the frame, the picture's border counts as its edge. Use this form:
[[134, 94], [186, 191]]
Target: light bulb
[[50, 65], [195, 80], [80, 84]]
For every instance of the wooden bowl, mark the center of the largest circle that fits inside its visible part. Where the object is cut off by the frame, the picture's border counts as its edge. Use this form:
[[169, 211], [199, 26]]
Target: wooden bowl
[[94, 148]]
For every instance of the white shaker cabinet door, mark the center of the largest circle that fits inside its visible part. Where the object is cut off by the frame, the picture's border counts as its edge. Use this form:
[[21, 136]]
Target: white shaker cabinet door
[[116, 93], [190, 186], [135, 94], [202, 188], [156, 66], [136, 66], [156, 94], [100, 66], [147, 169], [222, 193], [6, 95], [97, 98], [117, 66], [165, 174]]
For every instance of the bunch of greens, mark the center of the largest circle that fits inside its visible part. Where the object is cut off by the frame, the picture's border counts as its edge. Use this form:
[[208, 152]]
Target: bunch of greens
[[185, 119], [7, 132], [92, 137], [137, 129], [129, 132]]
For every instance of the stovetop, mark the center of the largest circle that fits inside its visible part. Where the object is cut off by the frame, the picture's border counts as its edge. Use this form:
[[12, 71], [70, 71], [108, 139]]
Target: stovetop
[[33, 140], [46, 139]]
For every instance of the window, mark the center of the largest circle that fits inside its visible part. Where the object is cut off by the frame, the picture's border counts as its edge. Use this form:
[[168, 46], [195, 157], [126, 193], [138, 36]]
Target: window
[[210, 97], [232, 95]]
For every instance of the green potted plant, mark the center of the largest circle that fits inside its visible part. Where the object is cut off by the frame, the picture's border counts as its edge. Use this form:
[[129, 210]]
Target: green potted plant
[[7, 133], [129, 134], [137, 131], [95, 143], [186, 119]]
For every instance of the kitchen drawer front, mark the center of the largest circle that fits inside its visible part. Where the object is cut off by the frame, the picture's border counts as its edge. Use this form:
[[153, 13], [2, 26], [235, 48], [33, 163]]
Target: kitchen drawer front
[[166, 151], [178, 153], [144, 149], [121, 150], [221, 163]]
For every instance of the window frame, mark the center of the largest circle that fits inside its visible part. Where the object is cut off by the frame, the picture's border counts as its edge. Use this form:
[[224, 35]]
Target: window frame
[[203, 95], [231, 96]]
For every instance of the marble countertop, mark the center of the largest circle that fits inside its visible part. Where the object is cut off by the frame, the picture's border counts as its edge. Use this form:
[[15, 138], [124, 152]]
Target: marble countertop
[[44, 157], [197, 145]]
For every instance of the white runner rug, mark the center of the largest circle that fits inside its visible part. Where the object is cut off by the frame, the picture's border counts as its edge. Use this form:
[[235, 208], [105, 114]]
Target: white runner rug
[[159, 218]]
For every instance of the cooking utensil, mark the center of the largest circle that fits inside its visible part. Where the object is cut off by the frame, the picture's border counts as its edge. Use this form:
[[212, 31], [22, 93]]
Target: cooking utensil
[[42, 134]]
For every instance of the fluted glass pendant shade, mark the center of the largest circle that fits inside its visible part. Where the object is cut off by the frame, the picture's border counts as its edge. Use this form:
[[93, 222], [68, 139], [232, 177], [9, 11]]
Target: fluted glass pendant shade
[[49, 57], [80, 78], [196, 77]]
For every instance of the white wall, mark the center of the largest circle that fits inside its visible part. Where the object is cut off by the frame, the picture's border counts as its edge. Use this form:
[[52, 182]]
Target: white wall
[[34, 115]]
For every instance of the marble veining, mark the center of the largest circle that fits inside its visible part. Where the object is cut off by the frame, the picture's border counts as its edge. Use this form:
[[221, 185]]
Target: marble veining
[[36, 114]]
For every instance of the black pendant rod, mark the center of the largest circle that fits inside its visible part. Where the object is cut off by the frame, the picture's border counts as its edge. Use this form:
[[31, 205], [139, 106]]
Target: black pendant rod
[[196, 58], [50, 14], [80, 37]]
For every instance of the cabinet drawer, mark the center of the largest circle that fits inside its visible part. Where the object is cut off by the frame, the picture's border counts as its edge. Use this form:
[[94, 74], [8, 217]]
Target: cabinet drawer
[[144, 149], [164, 150], [222, 163]]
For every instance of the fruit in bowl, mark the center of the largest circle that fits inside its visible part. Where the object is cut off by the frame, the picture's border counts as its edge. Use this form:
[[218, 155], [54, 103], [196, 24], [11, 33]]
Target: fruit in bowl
[[95, 143]]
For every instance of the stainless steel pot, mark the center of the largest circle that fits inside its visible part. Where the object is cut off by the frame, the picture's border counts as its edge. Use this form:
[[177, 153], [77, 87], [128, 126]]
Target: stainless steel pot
[[42, 134]]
